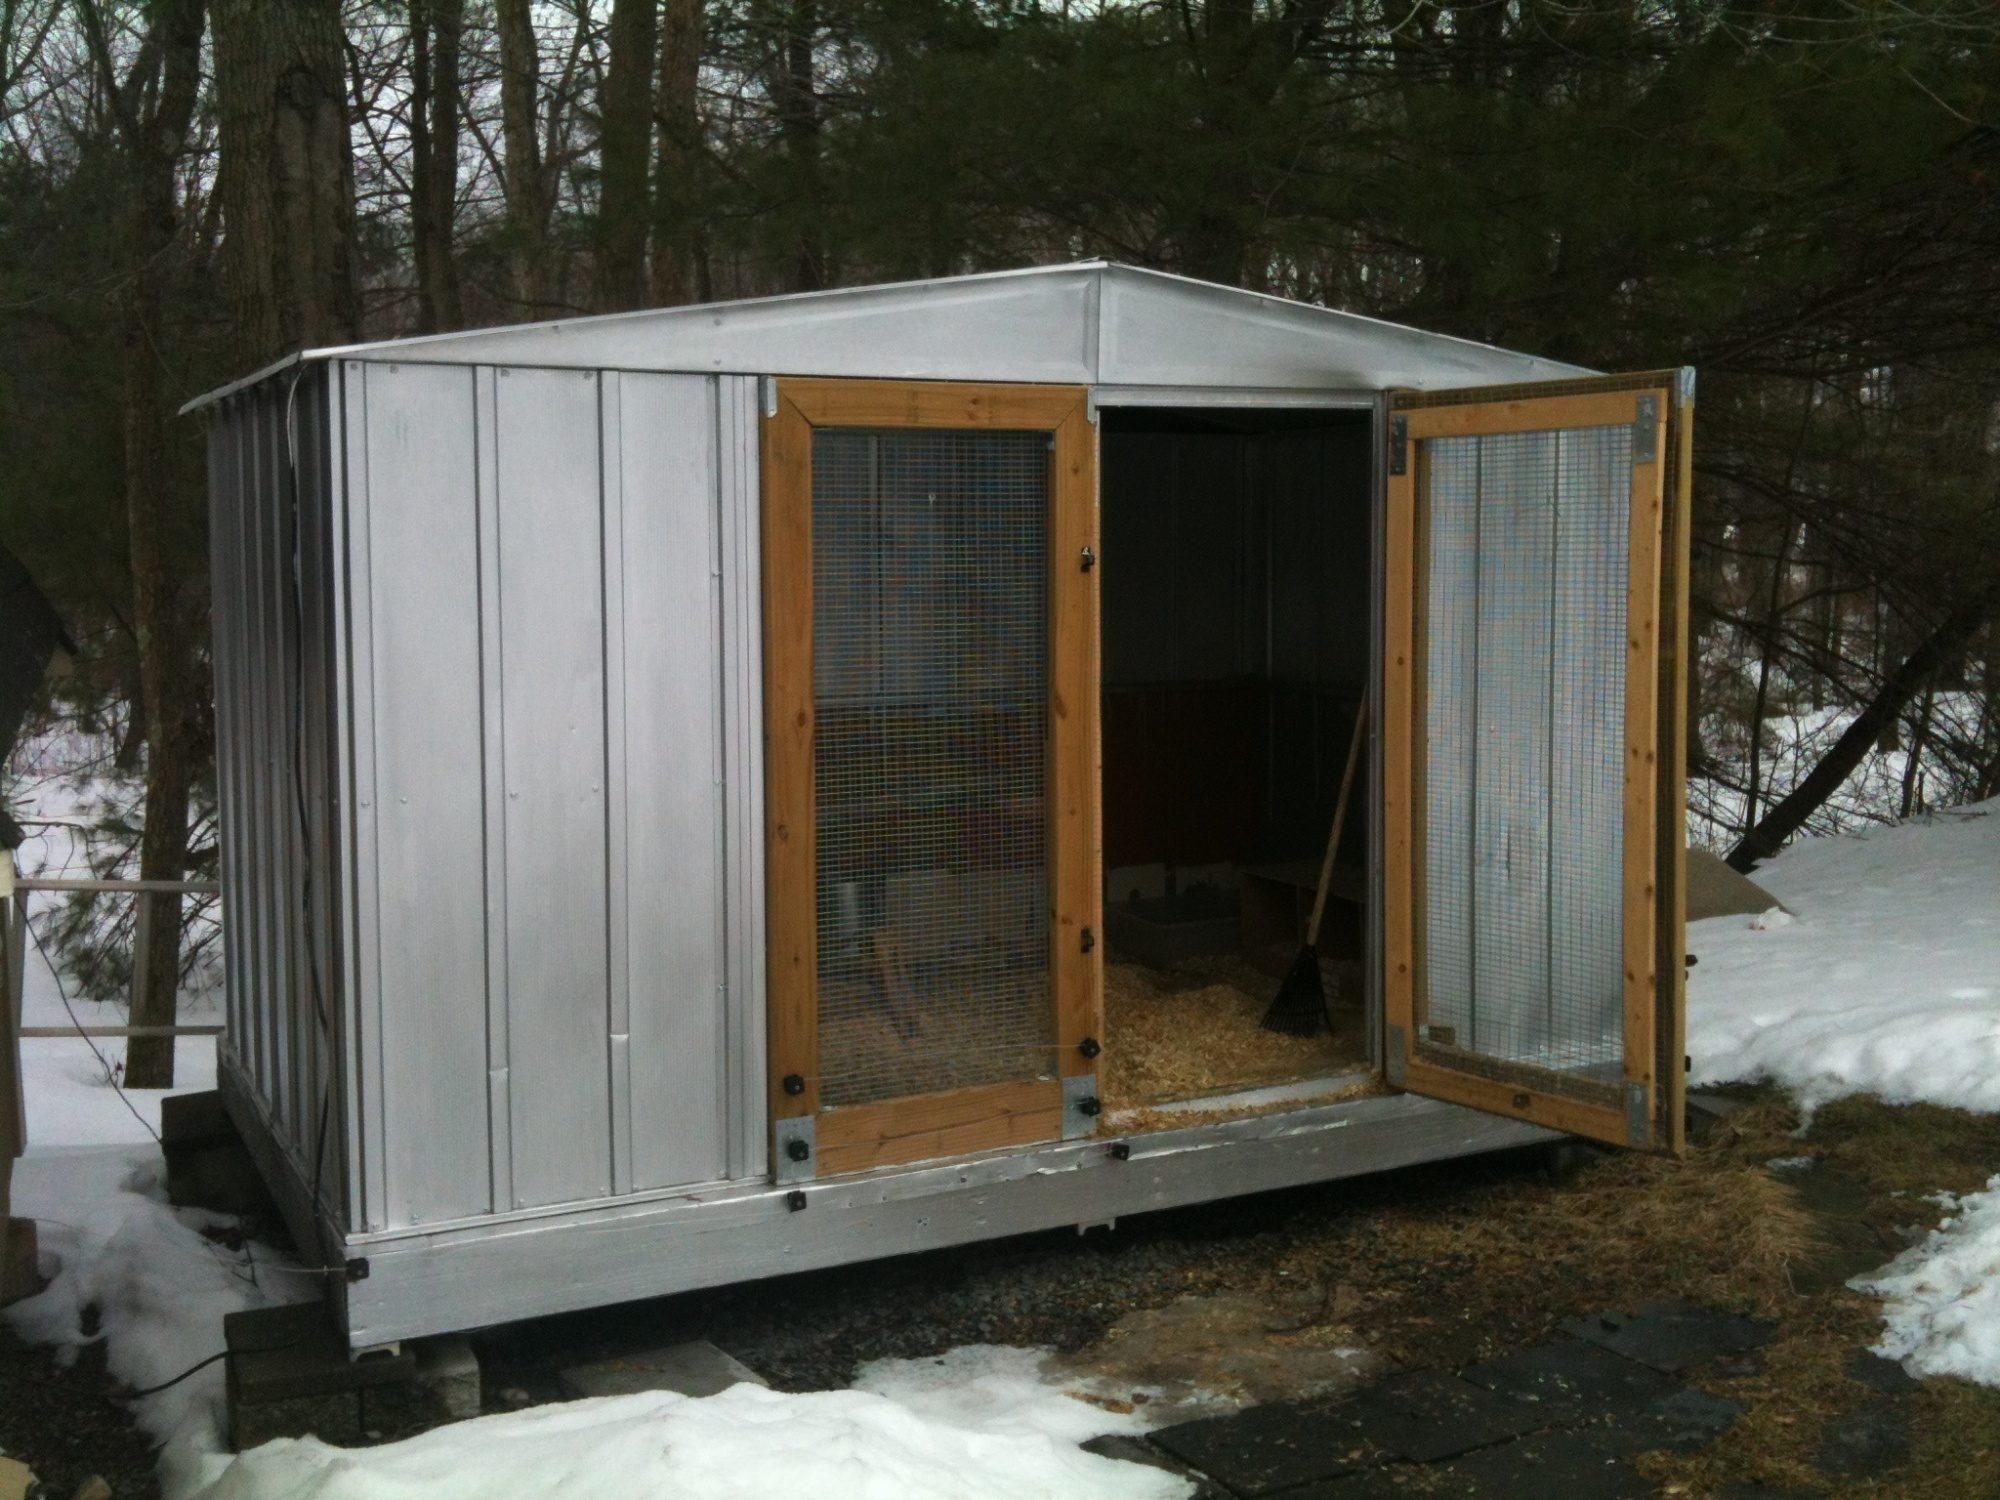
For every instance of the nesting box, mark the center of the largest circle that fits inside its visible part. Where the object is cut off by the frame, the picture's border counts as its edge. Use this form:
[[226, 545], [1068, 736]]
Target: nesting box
[[674, 765]]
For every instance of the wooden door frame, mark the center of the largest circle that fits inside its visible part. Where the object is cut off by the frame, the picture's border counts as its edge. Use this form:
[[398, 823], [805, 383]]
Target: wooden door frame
[[955, 1122], [1642, 1114]]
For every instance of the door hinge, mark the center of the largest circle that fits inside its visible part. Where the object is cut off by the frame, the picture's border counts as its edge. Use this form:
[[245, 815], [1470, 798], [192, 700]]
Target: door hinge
[[1395, 1061], [1645, 430], [795, 1140], [1399, 445]]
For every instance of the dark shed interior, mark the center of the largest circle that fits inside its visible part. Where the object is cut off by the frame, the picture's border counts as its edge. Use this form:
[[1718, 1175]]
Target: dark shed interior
[[1236, 649]]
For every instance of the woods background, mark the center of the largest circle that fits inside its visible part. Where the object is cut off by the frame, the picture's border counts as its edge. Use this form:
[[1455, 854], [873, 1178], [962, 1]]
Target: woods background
[[1800, 197]]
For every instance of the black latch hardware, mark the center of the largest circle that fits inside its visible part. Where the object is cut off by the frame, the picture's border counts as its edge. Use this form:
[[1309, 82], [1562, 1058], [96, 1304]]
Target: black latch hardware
[[357, 1269], [1089, 1046], [795, 1199], [794, 1084], [1089, 1105], [1089, 940], [797, 1149], [1089, 559]]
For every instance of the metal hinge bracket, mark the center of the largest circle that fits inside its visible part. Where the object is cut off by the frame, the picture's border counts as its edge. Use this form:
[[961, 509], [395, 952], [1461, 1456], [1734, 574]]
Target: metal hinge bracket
[[1081, 1106], [1399, 445], [797, 1153], [1638, 1114], [1646, 430]]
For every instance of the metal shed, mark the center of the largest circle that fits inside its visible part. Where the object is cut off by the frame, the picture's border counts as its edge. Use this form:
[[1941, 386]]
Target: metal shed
[[677, 767]]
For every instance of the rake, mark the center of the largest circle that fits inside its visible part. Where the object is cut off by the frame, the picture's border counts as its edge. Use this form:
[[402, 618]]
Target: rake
[[1300, 1006]]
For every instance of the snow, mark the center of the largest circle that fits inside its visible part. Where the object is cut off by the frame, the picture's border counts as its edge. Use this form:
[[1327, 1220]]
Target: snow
[[1943, 1294], [978, 1425], [160, 1290], [1885, 979]]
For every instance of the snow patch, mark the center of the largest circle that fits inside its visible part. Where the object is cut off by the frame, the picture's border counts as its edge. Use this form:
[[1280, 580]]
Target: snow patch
[[976, 1424], [1885, 979], [1943, 1295]]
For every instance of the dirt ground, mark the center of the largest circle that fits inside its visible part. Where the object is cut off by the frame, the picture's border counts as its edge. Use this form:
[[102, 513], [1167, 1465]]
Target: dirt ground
[[1297, 1292]]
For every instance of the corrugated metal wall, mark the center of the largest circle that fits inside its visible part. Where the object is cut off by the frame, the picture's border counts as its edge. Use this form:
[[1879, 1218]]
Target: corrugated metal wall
[[546, 848], [272, 582], [544, 731]]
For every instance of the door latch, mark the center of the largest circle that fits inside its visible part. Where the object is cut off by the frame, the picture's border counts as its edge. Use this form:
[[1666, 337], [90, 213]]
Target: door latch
[[1089, 560]]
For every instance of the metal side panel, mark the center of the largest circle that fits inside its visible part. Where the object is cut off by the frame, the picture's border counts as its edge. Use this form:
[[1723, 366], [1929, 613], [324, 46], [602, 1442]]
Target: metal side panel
[[361, 930], [319, 1237], [527, 1265], [420, 811], [739, 501], [664, 670], [339, 876], [226, 488], [549, 574]]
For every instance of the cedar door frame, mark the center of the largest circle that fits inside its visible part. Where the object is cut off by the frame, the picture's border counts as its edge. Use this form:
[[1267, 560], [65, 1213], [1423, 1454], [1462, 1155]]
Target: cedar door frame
[[1650, 1113], [960, 1121]]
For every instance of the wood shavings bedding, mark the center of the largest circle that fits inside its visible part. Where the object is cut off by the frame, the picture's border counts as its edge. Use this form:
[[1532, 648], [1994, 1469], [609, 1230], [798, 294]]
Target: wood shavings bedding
[[1192, 1031]]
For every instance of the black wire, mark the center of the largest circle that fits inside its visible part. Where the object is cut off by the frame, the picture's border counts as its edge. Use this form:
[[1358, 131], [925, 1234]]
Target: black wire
[[154, 1390], [110, 1074], [202, 1364]]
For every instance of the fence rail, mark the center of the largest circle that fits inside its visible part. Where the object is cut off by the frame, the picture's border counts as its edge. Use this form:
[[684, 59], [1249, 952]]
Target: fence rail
[[15, 938]]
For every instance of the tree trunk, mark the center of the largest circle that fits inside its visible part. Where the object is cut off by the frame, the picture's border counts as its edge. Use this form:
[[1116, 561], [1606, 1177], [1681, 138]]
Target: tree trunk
[[286, 175], [436, 31], [796, 100], [1934, 652], [677, 248], [153, 115], [521, 166], [1920, 739], [624, 141]]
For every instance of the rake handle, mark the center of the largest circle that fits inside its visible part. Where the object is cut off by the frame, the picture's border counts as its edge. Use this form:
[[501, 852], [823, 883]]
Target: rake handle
[[1339, 820]]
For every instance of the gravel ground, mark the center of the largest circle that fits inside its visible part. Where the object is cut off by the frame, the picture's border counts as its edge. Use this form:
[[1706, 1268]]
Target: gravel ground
[[1057, 1289], [69, 1424]]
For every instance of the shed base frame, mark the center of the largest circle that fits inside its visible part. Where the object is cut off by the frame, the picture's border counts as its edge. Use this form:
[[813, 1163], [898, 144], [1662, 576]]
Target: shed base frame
[[500, 1269]]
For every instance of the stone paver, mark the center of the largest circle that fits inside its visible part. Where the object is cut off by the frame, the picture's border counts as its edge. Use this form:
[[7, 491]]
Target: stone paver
[[1269, 1448], [1431, 1415], [1559, 1418], [1670, 1336], [1571, 1381]]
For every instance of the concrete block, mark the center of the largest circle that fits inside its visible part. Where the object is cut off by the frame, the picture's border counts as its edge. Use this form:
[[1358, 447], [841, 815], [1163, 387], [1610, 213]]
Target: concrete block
[[290, 1375], [220, 1177], [19, 1257], [194, 1120], [693, 1369], [448, 1371]]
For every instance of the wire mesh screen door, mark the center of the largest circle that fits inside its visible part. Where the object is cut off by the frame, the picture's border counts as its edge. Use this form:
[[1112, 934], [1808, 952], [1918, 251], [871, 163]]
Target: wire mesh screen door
[[1522, 752], [930, 769]]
